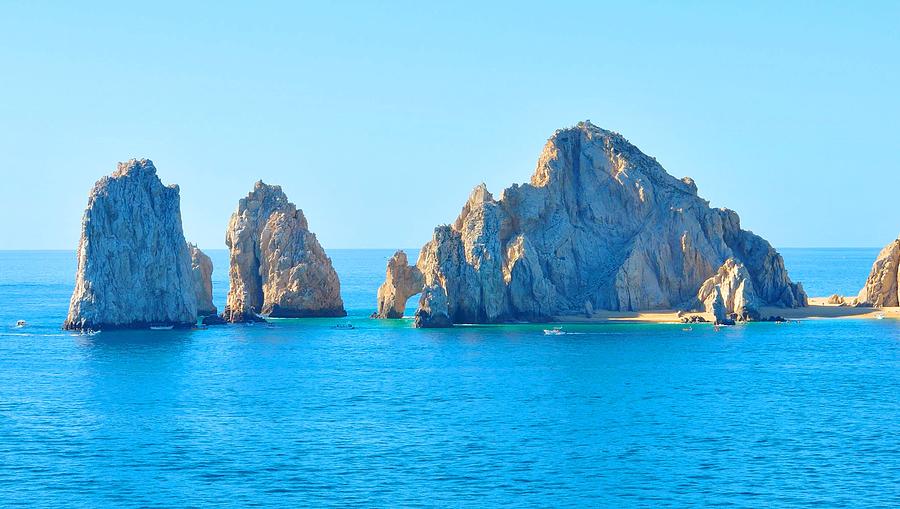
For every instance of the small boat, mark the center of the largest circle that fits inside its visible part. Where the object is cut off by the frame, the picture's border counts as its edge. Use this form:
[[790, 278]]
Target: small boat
[[879, 316], [162, 327], [20, 324], [687, 329], [344, 326], [556, 331]]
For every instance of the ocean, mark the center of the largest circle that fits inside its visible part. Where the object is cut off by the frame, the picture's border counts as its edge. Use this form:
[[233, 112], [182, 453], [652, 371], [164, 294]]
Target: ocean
[[300, 414]]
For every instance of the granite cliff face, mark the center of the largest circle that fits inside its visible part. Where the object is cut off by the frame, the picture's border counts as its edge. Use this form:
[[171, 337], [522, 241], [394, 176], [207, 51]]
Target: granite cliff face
[[600, 226], [277, 267], [134, 267], [201, 272], [882, 288]]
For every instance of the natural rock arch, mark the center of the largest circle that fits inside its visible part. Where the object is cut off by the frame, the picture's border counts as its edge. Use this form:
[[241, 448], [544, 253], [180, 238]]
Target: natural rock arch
[[402, 281]]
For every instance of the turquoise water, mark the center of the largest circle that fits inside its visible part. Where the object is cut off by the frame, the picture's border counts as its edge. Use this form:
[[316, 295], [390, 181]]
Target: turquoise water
[[299, 414]]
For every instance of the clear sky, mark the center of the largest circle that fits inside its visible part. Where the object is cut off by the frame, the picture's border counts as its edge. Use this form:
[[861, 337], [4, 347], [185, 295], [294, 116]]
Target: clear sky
[[378, 118]]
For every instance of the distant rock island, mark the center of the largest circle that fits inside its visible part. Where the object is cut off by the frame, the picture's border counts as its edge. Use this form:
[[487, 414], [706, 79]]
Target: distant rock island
[[134, 266], [601, 226], [277, 267]]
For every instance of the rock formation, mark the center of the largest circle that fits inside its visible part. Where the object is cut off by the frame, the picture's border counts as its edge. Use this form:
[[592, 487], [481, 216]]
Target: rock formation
[[729, 294], [402, 281], [277, 267], [881, 289], [201, 271], [600, 226], [134, 267], [836, 300]]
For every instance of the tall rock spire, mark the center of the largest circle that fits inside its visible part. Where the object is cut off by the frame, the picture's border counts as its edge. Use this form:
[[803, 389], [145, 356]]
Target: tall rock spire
[[134, 268], [277, 266]]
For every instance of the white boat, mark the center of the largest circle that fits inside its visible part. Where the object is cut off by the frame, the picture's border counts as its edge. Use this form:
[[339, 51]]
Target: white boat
[[879, 316], [162, 327], [556, 331], [20, 323]]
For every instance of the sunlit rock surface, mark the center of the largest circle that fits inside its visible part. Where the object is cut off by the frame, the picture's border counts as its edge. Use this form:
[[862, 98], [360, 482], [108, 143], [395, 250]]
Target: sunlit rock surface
[[881, 289], [601, 226], [277, 266], [134, 266], [402, 281], [729, 294]]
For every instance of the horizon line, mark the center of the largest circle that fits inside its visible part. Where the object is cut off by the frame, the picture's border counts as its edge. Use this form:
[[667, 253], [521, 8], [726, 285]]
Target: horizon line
[[414, 248]]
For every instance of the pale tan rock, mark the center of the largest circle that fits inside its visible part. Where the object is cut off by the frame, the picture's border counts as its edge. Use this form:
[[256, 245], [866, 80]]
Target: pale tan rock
[[134, 267], [599, 223], [401, 282], [729, 293], [277, 266], [881, 289], [836, 300], [201, 272]]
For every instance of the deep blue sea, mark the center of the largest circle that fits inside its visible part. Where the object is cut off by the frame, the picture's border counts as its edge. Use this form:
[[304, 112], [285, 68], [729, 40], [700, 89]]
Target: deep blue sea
[[299, 414]]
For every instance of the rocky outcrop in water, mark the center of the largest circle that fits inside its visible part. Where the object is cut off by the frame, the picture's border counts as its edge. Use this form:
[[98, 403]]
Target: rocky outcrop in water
[[601, 226], [401, 282], [277, 268], [729, 294], [433, 306], [881, 289], [201, 271], [134, 267]]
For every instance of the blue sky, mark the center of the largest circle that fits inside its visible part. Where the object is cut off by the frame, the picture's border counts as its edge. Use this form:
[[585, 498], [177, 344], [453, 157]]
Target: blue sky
[[378, 118]]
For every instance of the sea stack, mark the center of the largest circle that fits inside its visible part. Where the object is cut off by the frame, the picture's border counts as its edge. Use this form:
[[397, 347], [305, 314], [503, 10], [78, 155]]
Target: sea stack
[[729, 294], [134, 266], [601, 226], [882, 288], [278, 268], [201, 271]]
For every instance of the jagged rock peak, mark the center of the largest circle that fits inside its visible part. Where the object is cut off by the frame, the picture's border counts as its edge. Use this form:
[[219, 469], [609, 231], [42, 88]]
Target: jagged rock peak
[[134, 267], [277, 266], [882, 288], [600, 226]]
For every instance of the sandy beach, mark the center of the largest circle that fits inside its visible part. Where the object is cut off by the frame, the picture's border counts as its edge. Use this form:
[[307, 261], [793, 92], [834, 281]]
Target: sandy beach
[[818, 308]]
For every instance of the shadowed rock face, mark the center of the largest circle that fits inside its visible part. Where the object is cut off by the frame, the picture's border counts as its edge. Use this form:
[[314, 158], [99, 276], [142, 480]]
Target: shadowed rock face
[[201, 271], [134, 267], [600, 226], [882, 288], [277, 267]]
